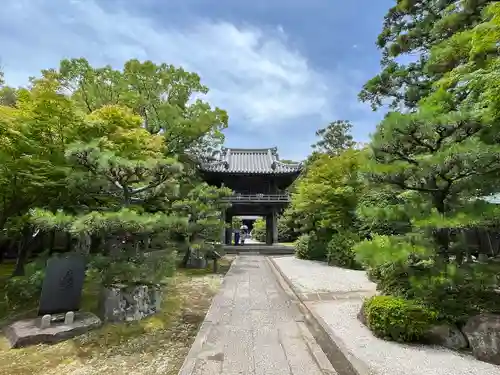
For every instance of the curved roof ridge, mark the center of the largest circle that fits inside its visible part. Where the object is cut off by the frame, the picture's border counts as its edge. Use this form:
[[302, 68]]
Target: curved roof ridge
[[298, 163], [251, 161], [249, 149]]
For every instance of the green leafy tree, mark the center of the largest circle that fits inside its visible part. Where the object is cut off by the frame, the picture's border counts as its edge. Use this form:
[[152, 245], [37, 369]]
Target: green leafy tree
[[471, 84], [326, 195], [161, 94], [439, 157], [414, 27], [335, 138], [130, 165], [437, 161], [94, 142], [34, 135], [203, 205], [323, 205]]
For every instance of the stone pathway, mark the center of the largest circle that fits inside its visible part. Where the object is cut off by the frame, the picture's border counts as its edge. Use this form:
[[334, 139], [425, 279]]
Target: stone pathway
[[253, 328], [334, 297]]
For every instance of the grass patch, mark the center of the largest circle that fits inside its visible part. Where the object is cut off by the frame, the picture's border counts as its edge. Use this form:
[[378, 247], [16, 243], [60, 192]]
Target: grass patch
[[6, 270], [157, 344], [291, 244]]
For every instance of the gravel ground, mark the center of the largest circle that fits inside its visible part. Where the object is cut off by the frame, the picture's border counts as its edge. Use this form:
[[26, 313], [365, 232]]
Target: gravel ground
[[313, 277], [390, 358], [369, 354]]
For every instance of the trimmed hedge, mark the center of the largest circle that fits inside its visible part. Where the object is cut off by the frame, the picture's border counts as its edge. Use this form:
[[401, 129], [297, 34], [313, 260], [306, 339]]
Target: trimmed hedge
[[397, 319]]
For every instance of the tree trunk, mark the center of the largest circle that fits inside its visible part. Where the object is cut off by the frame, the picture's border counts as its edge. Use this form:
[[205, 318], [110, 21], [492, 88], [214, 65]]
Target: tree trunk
[[441, 236], [96, 243], [52, 241], [69, 242], [22, 253], [4, 247], [187, 256]]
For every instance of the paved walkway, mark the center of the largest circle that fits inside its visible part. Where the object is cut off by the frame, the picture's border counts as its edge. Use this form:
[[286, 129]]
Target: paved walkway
[[334, 297], [253, 328]]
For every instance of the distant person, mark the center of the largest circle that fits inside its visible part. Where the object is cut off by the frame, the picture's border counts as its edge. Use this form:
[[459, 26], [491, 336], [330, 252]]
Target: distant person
[[236, 236], [244, 233]]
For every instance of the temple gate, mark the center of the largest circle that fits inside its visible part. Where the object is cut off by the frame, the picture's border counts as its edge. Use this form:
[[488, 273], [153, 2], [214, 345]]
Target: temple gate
[[259, 181]]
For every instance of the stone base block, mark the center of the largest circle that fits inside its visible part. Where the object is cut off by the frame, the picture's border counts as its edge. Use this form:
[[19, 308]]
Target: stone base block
[[121, 303], [197, 263], [28, 332]]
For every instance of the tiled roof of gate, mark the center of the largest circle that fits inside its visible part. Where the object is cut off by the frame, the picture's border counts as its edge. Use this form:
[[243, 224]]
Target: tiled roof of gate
[[254, 161]]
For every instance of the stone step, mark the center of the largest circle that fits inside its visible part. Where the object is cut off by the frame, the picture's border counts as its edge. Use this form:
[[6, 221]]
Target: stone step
[[259, 249]]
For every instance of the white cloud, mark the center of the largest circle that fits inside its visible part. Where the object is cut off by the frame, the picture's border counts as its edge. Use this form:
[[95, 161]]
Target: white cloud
[[251, 72]]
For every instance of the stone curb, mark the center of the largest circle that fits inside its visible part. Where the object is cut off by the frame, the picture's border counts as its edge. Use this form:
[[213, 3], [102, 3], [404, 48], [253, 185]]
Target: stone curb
[[312, 345], [331, 347], [201, 337]]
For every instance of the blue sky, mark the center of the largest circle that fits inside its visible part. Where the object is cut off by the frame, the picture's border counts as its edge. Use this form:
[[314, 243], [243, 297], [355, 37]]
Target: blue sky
[[281, 68]]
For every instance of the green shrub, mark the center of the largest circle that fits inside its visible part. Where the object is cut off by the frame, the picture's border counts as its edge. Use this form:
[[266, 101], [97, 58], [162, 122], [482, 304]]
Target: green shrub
[[397, 319], [339, 250], [259, 230], [311, 246], [392, 278], [302, 246], [142, 268], [458, 292], [385, 249], [22, 290], [285, 233]]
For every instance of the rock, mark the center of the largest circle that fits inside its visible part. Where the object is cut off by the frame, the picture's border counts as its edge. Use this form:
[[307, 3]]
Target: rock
[[128, 303], [483, 333], [446, 335], [69, 318], [45, 321], [198, 263], [29, 332], [482, 258]]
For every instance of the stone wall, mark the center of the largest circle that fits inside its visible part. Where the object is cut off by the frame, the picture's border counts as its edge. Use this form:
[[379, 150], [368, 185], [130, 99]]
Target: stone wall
[[120, 303]]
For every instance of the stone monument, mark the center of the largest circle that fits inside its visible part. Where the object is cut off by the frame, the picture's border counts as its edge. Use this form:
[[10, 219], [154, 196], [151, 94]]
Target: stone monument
[[63, 284], [58, 313]]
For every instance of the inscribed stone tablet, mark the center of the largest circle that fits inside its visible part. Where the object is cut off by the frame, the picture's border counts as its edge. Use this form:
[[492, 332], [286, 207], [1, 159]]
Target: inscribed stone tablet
[[63, 283]]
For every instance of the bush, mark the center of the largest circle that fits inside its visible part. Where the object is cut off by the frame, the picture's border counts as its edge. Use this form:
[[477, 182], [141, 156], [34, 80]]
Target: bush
[[142, 268], [285, 233], [22, 290], [386, 249], [311, 246], [302, 247], [458, 292], [397, 319], [259, 230], [392, 278], [339, 250]]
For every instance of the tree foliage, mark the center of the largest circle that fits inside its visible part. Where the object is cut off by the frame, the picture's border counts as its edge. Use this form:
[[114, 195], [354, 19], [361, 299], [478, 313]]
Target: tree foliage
[[160, 93], [286, 231], [325, 198], [413, 28], [335, 138], [411, 206], [106, 156], [439, 160]]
